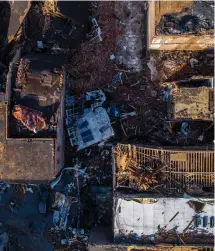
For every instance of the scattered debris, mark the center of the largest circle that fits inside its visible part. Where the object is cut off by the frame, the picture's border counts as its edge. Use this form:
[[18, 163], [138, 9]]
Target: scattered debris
[[40, 44], [201, 137], [62, 206], [29, 189], [184, 128], [119, 20]]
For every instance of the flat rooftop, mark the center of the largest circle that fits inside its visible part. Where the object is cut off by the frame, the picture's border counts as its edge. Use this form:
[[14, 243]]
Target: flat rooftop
[[165, 220], [37, 86], [22, 161]]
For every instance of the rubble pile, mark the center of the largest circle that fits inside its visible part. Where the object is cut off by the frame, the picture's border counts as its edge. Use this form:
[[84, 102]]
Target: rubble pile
[[97, 162], [194, 236], [90, 65], [169, 237], [177, 65], [81, 196], [137, 177]]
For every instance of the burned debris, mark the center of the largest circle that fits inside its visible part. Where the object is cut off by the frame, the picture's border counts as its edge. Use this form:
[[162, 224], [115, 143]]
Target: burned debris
[[180, 25], [198, 19]]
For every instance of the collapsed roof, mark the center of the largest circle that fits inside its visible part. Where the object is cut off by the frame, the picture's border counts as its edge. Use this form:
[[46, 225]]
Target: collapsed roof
[[166, 171], [88, 123], [163, 220]]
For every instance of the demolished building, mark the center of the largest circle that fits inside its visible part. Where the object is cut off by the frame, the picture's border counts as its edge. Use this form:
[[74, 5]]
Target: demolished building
[[38, 86], [145, 177], [162, 196], [166, 171]]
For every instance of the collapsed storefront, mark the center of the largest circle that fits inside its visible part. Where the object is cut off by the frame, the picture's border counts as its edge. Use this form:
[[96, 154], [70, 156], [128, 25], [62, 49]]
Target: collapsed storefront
[[164, 171]]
